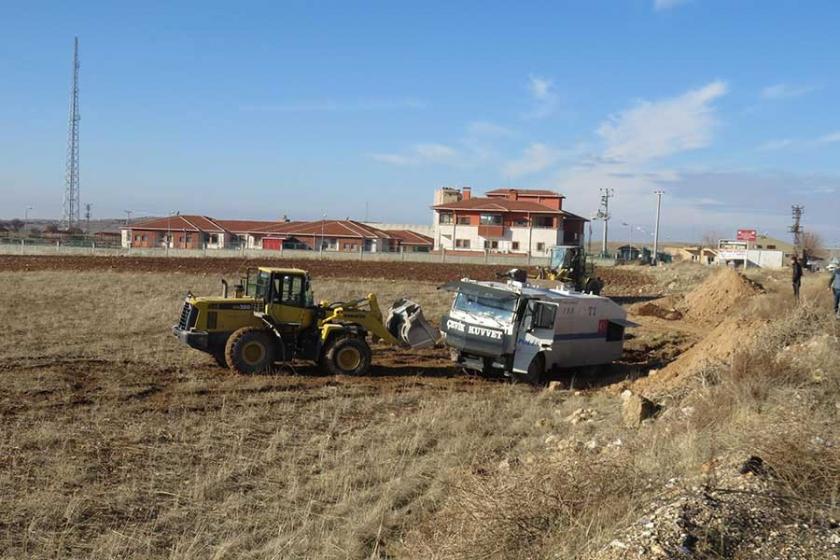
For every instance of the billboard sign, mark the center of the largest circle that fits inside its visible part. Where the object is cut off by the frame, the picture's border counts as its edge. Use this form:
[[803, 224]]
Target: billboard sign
[[746, 235]]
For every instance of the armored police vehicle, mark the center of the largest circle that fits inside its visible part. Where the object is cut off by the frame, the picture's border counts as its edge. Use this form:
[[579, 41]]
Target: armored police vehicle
[[518, 329]]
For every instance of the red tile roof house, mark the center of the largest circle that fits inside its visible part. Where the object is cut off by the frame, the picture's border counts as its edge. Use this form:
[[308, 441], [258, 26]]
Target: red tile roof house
[[198, 232], [510, 220]]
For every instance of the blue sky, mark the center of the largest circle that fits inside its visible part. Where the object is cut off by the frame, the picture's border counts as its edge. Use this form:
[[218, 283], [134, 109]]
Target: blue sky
[[305, 108]]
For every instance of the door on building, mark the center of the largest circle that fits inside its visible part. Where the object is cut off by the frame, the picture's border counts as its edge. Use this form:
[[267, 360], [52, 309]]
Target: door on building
[[272, 243]]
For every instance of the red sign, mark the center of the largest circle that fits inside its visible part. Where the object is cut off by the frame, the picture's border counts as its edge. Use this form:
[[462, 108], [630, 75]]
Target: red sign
[[746, 235]]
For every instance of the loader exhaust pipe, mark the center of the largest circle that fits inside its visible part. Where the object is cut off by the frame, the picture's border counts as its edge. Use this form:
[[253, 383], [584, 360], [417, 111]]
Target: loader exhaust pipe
[[224, 288]]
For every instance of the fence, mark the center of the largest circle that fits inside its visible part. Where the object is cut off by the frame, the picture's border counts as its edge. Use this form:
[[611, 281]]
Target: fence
[[37, 246]]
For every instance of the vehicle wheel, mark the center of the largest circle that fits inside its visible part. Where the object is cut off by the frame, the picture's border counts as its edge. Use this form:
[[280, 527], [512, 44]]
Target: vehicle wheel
[[219, 355], [536, 371], [250, 350], [348, 356]]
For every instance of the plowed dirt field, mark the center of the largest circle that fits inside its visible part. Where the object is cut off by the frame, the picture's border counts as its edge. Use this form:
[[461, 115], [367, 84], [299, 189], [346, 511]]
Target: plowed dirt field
[[618, 281]]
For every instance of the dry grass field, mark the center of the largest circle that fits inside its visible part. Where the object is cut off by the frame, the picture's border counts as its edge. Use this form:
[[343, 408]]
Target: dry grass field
[[118, 442]]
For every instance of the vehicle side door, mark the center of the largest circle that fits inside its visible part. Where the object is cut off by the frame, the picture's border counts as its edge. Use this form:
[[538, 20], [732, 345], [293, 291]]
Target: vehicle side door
[[288, 300], [535, 334]]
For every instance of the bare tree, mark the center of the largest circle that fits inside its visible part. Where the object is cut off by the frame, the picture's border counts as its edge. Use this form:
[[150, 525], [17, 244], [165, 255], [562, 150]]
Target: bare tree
[[710, 240], [16, 225], [812, 243]]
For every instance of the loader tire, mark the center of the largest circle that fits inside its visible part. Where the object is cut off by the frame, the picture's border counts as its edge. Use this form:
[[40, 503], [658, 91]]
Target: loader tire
[[348, 356], [219, 355], [250, 350]]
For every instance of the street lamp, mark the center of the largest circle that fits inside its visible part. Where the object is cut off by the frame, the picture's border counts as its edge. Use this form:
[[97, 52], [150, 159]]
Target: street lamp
[[26, 213]]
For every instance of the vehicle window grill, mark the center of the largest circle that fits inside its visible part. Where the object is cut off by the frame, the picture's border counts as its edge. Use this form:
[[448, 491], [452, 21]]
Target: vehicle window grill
[[188, 317]]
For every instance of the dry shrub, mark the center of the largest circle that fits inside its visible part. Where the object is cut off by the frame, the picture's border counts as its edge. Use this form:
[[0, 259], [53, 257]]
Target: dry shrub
[[551, 508], [804, 460]]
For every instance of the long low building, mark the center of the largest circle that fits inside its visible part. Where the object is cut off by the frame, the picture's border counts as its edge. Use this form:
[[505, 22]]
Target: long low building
[[203, 232]]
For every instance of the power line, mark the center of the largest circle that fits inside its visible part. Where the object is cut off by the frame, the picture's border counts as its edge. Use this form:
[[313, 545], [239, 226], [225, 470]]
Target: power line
[[70, 215]]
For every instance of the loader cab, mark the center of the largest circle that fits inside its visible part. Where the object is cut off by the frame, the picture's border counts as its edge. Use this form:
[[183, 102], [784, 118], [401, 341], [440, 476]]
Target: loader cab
[[286, 293]]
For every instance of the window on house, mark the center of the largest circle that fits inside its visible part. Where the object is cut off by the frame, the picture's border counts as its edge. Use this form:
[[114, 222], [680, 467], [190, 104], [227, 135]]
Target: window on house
[[514, 246], [540, 246], [136, 238], [520, 222], [463, 220], [491, 219], [462, 243], [445, 218], [489, 244], [544, 221], [214, 238]]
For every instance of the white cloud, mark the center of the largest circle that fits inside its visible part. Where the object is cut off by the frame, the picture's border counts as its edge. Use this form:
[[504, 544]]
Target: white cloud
[[784, 91], [667, 4], [829, 138], [544, 97], [773, 145], [419, 154], [656, 129], [536, 157]]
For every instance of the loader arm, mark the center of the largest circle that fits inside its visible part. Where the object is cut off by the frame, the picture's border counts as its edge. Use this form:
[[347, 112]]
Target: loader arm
[[365, 313]]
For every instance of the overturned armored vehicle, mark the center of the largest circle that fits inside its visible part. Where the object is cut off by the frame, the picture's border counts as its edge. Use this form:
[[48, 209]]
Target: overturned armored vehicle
[[520, 330]]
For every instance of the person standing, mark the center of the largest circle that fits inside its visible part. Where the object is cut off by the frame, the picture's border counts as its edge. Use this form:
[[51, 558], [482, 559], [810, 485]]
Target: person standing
[[834, 284], [796, 269]]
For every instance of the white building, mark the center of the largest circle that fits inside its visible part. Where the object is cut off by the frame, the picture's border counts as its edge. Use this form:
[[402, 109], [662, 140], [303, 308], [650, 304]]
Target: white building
[[525, 221]]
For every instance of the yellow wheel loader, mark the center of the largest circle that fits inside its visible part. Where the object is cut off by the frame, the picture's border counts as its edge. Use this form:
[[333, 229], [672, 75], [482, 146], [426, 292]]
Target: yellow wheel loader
[[272, 318], [568, 264]]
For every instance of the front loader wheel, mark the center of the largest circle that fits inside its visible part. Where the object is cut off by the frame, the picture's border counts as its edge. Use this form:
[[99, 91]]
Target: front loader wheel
[[348, 356], [219, 355], [250, 350]]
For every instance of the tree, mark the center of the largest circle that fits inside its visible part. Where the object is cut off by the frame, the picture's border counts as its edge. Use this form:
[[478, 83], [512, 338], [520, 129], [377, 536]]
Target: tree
[[710, 240], [812, 243], [51, 228], [35, 232], [16, 225]]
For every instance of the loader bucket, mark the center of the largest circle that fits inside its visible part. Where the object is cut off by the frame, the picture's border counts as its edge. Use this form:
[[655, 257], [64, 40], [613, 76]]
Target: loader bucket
[[406, 323]]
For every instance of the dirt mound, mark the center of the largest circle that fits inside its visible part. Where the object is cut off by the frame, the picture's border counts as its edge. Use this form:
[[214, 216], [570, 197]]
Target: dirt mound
[[624, 281], [659, 308], [718, 295], [718, 347]]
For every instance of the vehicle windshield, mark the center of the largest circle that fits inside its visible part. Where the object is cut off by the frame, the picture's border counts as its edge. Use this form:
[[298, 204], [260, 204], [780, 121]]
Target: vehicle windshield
[[499, 308], [560, 257], [262, 280]]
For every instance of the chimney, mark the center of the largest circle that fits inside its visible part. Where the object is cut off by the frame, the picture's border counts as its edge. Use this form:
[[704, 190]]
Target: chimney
[[467, 193]]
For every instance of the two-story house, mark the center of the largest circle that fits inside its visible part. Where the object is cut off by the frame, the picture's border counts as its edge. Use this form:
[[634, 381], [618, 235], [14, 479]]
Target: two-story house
[[526, 221]]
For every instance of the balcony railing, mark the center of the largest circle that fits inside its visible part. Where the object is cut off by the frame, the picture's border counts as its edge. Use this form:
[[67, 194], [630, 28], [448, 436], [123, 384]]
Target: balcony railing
[[491, 231]]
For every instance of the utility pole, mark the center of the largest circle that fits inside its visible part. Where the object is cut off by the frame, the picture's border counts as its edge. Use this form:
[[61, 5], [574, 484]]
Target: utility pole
[[128, 214], [796, 228], [26, 214], [656, 228], [87, 217], [604, 214], [321, 244], [70, 216]]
